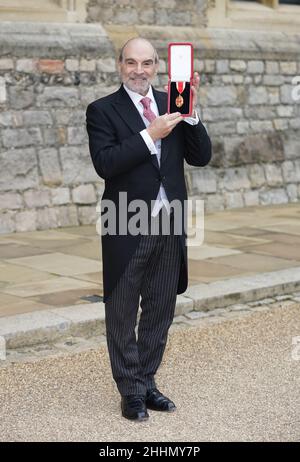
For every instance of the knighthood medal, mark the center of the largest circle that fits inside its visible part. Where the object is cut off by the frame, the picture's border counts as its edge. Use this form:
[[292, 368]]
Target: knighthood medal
[[179, 99]]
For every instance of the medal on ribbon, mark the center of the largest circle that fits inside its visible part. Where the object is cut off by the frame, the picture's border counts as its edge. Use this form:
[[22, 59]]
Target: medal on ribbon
[[180, 88]]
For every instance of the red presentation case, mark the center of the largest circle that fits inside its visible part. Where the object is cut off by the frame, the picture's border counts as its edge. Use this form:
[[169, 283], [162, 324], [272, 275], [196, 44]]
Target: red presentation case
[[181, 71]]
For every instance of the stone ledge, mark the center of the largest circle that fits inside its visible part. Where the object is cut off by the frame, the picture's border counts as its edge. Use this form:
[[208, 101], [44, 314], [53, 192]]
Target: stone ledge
[[94, 40], [52, 325], [244, 289], [38, 39], [215, 43], [87, 320]]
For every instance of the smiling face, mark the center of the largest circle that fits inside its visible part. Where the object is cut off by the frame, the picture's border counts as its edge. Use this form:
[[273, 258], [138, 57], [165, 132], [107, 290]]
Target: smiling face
[[138, 66]]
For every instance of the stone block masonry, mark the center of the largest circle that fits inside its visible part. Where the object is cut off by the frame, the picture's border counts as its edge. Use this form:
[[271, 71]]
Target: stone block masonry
[[157, 12], [48, 76]]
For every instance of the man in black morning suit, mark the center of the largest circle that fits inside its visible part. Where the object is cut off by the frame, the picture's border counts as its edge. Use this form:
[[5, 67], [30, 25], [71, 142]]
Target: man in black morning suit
[[139, 149]]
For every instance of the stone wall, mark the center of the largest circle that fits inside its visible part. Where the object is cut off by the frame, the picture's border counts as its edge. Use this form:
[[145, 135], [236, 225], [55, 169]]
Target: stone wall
[[254, 125], [49, 74], [158, 12], [47, 79]]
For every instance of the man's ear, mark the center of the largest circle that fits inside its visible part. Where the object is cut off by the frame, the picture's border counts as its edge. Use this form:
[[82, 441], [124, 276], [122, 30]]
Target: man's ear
[[118, 66]]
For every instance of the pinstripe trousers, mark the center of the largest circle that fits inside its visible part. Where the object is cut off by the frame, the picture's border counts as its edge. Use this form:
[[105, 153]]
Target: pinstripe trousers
[[150, 279]]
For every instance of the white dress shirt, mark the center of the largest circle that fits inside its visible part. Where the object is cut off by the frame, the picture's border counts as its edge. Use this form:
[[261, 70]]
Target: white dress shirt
[[154, 147]]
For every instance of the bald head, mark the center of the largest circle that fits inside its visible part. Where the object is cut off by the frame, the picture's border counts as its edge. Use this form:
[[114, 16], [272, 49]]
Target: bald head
[[138, 64], [138, 43]]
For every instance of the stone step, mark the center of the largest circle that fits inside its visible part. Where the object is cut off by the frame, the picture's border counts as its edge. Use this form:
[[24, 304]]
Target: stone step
[[86, 320], [245, 289]]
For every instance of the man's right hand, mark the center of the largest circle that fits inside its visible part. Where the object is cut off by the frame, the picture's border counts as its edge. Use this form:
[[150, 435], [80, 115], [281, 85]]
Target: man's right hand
[[163, 125]]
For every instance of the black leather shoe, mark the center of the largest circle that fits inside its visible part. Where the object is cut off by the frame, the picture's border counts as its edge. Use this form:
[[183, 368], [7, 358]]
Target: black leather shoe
[[158, 402], [134, 408]]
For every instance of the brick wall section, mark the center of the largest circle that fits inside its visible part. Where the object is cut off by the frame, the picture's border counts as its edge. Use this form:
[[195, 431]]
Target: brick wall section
[[46, 177]]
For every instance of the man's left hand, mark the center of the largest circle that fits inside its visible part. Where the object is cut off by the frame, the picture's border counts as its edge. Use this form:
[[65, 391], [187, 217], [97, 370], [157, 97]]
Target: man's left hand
[[195, 88]]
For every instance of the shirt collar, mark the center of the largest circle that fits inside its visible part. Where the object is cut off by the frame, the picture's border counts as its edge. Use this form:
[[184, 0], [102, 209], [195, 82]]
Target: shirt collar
[[136, 97]]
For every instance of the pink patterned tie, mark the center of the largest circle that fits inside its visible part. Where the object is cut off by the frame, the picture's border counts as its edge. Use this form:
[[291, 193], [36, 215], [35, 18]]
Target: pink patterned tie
[[148, 113]]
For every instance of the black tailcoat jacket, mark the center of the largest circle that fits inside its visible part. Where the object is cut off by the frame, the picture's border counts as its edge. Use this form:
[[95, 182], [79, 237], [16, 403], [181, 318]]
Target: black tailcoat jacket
[[121, 157]]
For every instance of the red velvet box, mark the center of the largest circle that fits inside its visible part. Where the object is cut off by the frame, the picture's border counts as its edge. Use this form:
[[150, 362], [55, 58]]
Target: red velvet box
[[181, 71]]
